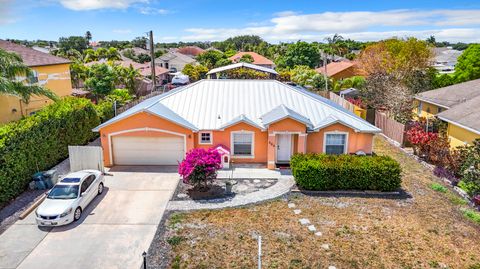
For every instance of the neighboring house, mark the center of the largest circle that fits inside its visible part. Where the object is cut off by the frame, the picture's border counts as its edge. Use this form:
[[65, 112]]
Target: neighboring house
[[220, 72], [340, 70], [50, 71], [260, 121], [458, 105], [192, 51], [257, 59], [174, 61], [445, 59]]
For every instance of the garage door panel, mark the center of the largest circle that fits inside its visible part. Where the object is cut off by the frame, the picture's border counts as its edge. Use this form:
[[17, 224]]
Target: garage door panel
[[130, 150]]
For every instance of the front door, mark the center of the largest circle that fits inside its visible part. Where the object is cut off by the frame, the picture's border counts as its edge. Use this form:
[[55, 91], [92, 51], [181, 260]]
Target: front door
[[284, 148]]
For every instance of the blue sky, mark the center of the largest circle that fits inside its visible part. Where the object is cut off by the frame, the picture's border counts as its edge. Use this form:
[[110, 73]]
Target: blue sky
[[200, 20]]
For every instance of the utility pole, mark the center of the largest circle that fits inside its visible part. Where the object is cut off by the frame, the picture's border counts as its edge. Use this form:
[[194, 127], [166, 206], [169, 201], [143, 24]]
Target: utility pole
[[152, 62], [325, 61]]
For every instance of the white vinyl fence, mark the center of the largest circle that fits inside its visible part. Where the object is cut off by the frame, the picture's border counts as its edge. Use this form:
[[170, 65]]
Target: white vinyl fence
[[85, 157]]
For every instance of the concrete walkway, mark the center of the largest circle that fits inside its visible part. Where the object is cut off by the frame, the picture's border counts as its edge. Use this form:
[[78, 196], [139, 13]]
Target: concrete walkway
[[284, 184]]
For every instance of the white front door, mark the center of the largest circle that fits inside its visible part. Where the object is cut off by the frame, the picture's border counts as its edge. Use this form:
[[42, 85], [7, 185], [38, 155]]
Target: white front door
[[284, 147]]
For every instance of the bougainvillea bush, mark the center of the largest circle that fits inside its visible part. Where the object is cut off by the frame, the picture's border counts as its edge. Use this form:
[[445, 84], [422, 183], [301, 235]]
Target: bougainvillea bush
[[200, 167]]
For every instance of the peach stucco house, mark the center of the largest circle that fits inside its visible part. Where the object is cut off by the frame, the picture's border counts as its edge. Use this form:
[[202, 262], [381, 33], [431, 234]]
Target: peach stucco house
[[260, 121]]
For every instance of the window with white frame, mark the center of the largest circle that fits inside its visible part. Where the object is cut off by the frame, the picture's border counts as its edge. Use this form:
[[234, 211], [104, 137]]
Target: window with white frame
[[335, 143], [242, 144], [205, 138]]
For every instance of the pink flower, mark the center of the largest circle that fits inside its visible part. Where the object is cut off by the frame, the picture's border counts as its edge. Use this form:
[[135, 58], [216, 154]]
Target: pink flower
[[200, 166]]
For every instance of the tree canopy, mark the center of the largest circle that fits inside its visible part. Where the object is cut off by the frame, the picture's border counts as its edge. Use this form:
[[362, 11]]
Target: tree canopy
[[300, 53], [78, 43], [468, 65], [213, 58]]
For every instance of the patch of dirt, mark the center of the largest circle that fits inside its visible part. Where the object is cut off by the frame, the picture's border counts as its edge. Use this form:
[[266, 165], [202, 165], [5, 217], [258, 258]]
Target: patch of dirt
[[425, 231]]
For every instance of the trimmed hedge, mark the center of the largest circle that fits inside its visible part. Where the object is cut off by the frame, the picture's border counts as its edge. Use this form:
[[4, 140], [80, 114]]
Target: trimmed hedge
[[346, 172], [40, 141]]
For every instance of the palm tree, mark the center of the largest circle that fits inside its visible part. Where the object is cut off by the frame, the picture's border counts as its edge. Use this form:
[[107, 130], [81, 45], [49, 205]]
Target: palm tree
[[88, 36], [11, 69]]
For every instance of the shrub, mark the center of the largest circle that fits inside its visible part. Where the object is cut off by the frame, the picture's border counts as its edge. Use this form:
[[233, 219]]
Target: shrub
[[105, 110], [122, 96], [40, 141], [472, 215], [443, 172], [200, 167], [344, 172], [419, 138], [469, 187], [471, 167], [438, 187]]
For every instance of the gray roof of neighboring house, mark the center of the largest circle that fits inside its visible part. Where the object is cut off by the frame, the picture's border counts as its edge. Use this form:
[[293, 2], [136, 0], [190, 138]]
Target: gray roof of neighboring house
[[238, 65], [214, 104], [451, 95], [172, 55], [466, 115], [446, 55]]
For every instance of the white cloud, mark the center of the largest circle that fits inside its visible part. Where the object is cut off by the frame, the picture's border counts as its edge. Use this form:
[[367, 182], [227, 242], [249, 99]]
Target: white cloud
[[360, 25], [153, 11], [122, 31], [99, 4], [285, 13]]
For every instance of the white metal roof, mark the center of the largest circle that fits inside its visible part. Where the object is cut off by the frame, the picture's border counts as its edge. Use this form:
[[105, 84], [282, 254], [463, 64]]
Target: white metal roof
[[213, 104], [242, 64], [282, 112]]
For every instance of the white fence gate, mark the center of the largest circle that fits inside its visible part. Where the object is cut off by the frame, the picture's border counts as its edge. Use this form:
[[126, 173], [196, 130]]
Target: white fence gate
[[85, 157]]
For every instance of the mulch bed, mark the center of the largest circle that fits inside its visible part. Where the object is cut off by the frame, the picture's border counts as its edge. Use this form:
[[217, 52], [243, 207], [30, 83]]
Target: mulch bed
[[216, 190]]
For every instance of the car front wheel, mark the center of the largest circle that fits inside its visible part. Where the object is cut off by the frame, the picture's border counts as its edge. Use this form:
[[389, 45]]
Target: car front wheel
[[100, 188], [78, 214]]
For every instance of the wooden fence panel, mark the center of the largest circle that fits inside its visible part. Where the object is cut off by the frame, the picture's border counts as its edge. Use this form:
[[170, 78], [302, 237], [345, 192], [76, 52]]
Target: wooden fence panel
[[390, 128], [347, 105]]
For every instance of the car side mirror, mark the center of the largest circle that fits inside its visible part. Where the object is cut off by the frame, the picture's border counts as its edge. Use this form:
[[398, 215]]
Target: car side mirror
[[47, 192], [82, 194]]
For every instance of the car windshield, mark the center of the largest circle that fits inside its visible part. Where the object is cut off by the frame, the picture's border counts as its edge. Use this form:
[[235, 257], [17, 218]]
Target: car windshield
[[63, 192]]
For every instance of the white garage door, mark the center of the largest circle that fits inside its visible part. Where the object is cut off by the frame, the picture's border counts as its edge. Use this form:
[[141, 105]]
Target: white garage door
[[132, 150]]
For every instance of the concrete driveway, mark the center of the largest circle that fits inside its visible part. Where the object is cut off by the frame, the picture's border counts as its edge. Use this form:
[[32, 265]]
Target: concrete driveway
[[113, 232]]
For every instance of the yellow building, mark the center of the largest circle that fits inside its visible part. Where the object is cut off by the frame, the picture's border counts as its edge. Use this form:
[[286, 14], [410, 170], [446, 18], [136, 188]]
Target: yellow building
[[458, 105], [49, 71]]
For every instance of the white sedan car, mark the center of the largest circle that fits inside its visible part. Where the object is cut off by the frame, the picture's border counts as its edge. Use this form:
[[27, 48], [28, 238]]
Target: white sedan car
[[66, 201]]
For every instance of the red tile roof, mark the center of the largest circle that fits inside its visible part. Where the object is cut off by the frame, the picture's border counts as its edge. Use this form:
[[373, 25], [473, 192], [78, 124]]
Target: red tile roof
[[32, 57], [257, 58], [190, 50]]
